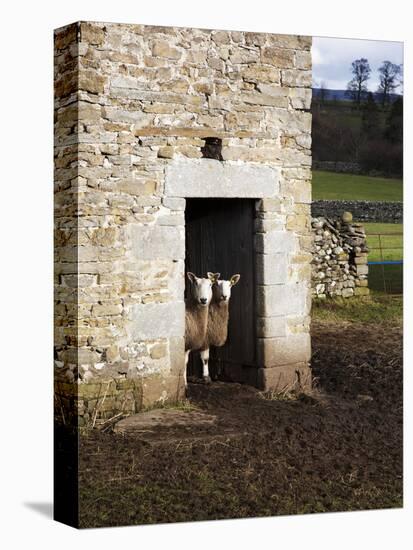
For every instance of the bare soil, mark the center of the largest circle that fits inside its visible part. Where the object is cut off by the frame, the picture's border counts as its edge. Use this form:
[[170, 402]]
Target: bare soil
[[335, 450]]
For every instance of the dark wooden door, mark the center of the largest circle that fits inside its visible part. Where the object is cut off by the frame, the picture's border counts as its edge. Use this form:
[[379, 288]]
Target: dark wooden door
[[219, 238]]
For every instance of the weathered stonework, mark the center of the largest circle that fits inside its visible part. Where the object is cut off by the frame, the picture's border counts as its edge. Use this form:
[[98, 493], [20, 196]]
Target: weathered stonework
[[133, 107], [340, 254]]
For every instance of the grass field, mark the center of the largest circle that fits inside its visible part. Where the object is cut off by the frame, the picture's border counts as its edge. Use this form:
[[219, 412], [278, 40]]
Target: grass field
[[335, 186], [375, 309], [346, 115], [385, 278], [391, 241]]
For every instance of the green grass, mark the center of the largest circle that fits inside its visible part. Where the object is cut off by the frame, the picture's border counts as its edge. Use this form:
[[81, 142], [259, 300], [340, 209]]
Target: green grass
[[377, 308], [391, 241], [335, 186], [346, 115], [386, 278]]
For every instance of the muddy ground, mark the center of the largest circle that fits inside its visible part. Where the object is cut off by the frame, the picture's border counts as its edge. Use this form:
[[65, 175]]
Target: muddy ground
[[339, 449]]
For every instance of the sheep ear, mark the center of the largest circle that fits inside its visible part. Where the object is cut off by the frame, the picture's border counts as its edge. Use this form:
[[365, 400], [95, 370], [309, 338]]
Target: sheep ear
[[191, 277], [213, 277], [234, 279]]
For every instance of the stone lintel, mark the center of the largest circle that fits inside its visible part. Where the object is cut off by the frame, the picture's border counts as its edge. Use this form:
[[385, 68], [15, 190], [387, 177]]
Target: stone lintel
[[214, 178]]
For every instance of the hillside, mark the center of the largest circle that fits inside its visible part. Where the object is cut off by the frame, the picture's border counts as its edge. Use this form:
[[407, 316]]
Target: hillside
[[341, 95], [334, 186]]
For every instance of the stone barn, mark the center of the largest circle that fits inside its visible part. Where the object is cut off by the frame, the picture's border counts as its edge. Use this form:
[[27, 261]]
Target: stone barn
[[178, 149]]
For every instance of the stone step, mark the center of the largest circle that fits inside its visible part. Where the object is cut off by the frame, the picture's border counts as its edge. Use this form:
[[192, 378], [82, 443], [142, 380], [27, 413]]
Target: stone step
[[147, 424]]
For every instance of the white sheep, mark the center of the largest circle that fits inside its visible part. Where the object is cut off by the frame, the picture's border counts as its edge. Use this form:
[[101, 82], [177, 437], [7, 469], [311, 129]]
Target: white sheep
[[196, 315], [218, 317]]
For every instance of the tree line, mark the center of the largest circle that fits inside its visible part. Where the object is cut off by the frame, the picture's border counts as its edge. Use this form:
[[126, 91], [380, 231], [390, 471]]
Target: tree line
[[390, 78], [366, 132]]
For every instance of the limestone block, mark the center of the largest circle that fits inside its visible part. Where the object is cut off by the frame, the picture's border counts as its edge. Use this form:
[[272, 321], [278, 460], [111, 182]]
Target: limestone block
[[122, 81], [271, 269], [91, 81], [80, 356], [263, 225], [300, 79], [91, 33], [279, 57], [272, 90], [296, 377], [298, 190], [213, 178], [136, 186], [157, 242], [287, 299], [362, 269], [252, 154], [275, 242], [300, 98], [174, 203], [254, 98], [79, 280], [260, 73], [65, 36], [268, 327], [161, 48], [269, 205], [157, 320], [103, 310], [132, 116], [158, 351], [177, 218], [303, 59], [285, 350], [255, 38], [292, 41], [177, 355], [161, 389]]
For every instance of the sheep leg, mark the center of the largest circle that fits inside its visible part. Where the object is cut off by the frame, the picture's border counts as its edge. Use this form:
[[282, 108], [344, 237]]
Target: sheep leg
[[205, 368], [186, 366]]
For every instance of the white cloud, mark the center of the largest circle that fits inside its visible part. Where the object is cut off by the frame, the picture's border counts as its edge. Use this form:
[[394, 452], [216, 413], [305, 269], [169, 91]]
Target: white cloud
[[332, 58]]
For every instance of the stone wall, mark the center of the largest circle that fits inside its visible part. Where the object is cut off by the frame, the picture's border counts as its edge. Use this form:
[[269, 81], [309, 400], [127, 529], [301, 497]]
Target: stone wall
[[96, 403], [337, 166], [339, 266], [363, 211], [133, 107]]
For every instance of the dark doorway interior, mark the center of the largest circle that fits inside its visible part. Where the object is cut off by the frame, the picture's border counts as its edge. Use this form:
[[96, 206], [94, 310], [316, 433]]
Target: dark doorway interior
[[220, 238]]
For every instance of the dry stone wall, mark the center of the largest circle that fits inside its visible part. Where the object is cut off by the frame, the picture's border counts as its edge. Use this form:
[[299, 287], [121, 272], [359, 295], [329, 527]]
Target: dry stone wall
[[337, 166], [363, 211], [339, 266], [132, 102]]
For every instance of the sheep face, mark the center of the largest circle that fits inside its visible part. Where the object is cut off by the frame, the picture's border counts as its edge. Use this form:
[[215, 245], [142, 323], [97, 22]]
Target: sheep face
[[201, 289], [222, 288]]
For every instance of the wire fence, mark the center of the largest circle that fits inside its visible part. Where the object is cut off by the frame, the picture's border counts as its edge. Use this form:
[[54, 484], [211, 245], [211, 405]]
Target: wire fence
[[386, 262]]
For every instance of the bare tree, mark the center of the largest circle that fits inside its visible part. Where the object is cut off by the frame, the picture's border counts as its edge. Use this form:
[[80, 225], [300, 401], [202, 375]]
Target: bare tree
[[323, 94], [358, 84], [389, 79]]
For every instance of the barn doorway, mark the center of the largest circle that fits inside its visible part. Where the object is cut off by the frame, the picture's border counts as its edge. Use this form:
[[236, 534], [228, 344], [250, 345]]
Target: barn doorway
[[220, 238]]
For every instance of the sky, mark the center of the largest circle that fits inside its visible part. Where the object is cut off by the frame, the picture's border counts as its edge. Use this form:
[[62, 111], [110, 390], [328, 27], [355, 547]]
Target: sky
[[332, 58]]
